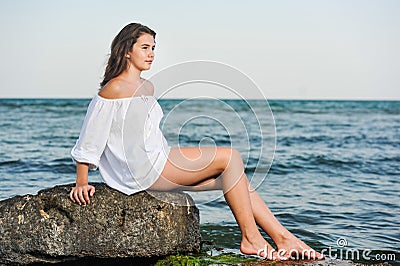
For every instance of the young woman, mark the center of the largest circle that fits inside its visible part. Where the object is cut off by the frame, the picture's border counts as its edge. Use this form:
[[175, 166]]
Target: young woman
[[147, 162]]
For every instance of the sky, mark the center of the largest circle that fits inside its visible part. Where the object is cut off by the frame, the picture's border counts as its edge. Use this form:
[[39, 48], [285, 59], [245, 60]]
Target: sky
[[291, 49]]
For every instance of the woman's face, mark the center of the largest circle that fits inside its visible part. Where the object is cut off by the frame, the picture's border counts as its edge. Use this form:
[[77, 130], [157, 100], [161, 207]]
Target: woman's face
[[142, 54]]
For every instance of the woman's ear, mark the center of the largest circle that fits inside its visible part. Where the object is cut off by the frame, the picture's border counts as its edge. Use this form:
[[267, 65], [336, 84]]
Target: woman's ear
[[127, 56]]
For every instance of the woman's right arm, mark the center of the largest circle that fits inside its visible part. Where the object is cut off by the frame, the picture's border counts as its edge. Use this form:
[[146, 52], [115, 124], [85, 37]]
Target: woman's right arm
[[90, 146], [82, 190]]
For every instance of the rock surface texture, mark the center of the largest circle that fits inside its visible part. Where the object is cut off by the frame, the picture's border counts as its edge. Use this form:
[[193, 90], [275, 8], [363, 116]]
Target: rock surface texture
[[49, 227]]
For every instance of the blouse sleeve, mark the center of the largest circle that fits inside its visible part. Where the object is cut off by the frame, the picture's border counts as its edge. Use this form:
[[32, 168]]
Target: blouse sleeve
[[94, 133]]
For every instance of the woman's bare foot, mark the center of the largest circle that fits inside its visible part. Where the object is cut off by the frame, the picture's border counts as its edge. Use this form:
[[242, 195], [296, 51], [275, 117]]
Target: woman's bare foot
[[260, 248], [293, 248]]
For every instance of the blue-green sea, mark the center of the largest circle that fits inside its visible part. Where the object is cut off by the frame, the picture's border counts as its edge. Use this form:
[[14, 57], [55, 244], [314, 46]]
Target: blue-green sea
[[335, 173]]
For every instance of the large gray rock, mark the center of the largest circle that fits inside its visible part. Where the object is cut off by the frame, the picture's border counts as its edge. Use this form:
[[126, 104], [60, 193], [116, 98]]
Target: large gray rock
[[49, 227]]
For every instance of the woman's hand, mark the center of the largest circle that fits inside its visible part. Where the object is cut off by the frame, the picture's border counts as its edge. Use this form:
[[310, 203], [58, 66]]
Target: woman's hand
[[80, 194]]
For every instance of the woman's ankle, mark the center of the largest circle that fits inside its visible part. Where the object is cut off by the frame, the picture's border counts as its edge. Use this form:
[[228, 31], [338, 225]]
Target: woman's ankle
[[252, 239], [282, 237]]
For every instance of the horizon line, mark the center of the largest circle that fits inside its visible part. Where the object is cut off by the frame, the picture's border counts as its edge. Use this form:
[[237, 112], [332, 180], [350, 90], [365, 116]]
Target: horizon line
[[184, 98]]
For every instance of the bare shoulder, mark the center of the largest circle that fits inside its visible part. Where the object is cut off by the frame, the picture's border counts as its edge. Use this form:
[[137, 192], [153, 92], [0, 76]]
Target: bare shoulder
[[114, 89], [119, 88], [148, 86]]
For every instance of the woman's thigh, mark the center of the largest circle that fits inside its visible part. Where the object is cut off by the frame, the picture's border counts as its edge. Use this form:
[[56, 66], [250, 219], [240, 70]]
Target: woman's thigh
[[192, 166]]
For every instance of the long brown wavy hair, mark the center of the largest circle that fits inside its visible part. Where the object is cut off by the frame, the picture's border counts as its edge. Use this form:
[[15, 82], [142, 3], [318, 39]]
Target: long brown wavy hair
[[120, 46]]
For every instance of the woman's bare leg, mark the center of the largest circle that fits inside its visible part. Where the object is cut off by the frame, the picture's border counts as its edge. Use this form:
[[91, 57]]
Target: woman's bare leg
[[206, 166], [192, 166], [263, 216], [282, 237], [284, 240]]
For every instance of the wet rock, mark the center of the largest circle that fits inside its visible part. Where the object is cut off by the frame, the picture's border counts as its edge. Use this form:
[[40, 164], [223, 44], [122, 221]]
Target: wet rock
[[48, 227]]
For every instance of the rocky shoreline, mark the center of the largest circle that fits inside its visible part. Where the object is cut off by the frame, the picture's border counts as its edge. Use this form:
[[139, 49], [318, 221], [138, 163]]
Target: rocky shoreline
[[50, 228]]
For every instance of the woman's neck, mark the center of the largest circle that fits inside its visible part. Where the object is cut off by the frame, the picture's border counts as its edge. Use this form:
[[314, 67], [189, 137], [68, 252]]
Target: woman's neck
[[132, 75]]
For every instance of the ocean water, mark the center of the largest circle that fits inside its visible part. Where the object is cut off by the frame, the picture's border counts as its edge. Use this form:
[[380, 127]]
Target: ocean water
[[334, 174]]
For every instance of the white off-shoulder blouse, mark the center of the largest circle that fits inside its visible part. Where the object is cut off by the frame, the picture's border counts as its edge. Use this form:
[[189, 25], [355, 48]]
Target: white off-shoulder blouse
[[123, 139]]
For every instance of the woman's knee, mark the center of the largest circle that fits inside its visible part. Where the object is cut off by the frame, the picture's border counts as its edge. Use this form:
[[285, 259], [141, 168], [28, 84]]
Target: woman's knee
[[228, 155]]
